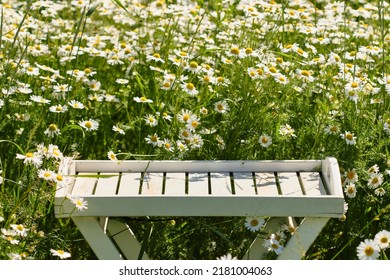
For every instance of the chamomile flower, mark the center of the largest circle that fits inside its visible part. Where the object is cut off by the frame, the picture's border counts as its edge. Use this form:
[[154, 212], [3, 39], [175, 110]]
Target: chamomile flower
[[349, 138], [382, 238], [52, 130], [60, 253], [167, 145], [368, 250], [151, 120], [93, 85], [46, 174], [351, 176], [192, 123], [331, 129], [58, 108], [375, 180], [20, 229], [254, 223], [287, 130], [154, 140], [350, 190], [154, 57], [118, 130], [265, 140], [122, 81], [79, 203], [182, 147], [76, 104], [142, 99], [111, 156], [221, 106], [227, 257], [38, 99], [380, 191], [184, 115], [373, 169], [89, 125], [189, 88], [274, 245], [31, 158]]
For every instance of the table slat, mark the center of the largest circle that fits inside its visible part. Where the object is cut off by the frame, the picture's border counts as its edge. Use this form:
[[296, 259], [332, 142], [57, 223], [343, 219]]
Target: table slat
[[130, 184], [84, 185], [289, 183], [266, 184], [312, 183], [244, 183], [220, 184], [198, 184], [175, 184], [107, 185], [152, 184]]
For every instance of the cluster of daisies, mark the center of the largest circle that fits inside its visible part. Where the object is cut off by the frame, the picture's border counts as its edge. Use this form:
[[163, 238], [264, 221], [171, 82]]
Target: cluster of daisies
[[373, 177], [371, 249], [17, 233]]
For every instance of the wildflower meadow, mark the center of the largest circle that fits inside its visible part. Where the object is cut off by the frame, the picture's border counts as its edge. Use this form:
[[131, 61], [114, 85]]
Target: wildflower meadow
[[183, 79]]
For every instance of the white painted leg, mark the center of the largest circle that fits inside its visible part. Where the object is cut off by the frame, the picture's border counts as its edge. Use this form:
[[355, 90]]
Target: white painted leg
[[302, 239], [257, 249], [100, 243], [124, 238]]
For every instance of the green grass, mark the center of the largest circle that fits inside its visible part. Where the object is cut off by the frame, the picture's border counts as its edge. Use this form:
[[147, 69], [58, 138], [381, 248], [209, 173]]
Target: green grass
[[310, 65]]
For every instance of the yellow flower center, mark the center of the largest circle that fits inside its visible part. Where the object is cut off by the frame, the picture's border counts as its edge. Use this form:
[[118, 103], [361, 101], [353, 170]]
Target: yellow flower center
[[305, 73], [248, 51], [194, 124], [29, 155], [88, 124], [59, 177], [193, 64], [350, 175], [260, 71], [369, 251], [190, 86], [384, 240], [254, 223], [264, 140], [354, 85], [156, 55], [235, 50], [52, 127], [273, 70], [349, 136]]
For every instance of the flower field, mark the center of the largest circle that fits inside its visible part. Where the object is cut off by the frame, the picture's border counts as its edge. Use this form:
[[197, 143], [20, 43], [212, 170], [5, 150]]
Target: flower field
[[166, 79]]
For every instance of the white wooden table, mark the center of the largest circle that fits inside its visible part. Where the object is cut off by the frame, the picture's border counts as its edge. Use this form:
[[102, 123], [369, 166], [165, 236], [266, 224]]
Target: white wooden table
[[293, 188]]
